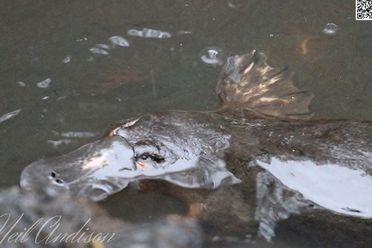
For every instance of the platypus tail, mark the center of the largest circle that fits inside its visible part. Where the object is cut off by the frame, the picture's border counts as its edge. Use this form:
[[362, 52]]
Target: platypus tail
[[248, 82]]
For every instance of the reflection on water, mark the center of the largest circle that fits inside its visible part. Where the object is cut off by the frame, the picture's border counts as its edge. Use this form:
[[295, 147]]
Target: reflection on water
[[55, 80]]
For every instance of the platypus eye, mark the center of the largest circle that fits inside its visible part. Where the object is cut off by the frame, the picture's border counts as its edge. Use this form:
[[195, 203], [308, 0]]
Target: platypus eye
[[144, 156], [154, 157], [147, 151]]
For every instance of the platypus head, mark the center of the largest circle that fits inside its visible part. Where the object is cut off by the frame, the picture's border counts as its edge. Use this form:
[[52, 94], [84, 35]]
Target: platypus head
[[171, 146], [87, 171]]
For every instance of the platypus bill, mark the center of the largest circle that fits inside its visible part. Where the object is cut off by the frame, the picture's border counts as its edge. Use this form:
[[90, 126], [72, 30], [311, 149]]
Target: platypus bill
[[261, 130]]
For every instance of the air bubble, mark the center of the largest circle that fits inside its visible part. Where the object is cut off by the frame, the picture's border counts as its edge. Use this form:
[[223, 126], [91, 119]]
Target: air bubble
[[44, 84], [103, 46], [67, 59], [330, 29], [100, 51], [119, 41], [22, 84], [212, 56]]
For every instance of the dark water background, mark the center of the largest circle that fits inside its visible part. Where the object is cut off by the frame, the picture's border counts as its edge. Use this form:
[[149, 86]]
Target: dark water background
[[93, 91]]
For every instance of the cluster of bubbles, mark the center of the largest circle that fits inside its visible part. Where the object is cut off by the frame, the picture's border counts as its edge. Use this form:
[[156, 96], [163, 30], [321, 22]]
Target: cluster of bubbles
[[210, 55], [119, 41], [115, 41], [104, 48], [149, 33]]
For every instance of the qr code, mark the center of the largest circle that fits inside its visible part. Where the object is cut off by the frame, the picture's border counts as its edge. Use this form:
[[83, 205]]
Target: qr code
[[363, 10]]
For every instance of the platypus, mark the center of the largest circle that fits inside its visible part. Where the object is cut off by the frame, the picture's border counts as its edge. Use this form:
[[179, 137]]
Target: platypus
[[261, 140]]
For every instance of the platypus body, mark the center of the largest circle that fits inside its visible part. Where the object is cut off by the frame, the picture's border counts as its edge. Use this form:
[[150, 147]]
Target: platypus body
[[255, 162]]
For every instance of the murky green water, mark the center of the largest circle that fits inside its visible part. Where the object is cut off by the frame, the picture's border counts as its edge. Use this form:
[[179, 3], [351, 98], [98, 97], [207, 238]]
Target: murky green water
[[88, 92]]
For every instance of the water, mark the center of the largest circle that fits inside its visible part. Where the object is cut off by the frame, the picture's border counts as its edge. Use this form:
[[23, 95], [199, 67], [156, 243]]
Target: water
[[96, 80]]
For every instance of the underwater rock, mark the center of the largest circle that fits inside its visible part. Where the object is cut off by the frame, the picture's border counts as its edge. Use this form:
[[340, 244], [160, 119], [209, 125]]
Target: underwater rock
[[50, 219]]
